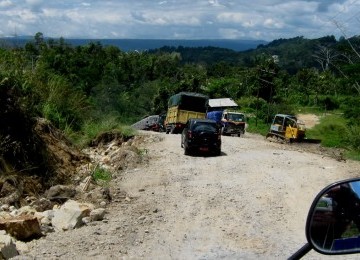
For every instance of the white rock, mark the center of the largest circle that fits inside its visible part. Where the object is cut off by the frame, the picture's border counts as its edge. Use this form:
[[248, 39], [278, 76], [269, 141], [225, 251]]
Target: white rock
[[97, 214], [70, 215]]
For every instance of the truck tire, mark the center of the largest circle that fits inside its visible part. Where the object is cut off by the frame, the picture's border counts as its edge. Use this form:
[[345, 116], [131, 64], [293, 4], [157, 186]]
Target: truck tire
[[222, 131], [218, 152], [167, 130]]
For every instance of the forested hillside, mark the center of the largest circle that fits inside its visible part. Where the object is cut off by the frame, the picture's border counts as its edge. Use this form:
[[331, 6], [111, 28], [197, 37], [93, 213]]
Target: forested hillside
[[292, 54], [84, 89]]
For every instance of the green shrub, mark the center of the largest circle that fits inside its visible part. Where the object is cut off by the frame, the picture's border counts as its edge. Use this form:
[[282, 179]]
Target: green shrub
[[351, 109], [328, 102], [353, 137], [255, 106], [62, 104], [51, 113]]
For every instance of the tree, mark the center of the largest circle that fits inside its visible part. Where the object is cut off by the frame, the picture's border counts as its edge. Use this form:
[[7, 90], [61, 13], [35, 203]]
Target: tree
[[324, 56], [267, 71]]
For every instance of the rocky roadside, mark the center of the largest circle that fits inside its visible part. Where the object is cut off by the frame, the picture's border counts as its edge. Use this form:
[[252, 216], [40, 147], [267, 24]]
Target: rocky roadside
[[65, 207]]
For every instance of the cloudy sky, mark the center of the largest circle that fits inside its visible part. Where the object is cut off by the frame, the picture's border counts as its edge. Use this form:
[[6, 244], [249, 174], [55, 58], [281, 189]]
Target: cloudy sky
[[180, 19]]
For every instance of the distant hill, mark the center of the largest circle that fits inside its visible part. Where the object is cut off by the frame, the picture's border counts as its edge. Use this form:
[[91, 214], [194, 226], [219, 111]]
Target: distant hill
[[292, 54], [147, 44]]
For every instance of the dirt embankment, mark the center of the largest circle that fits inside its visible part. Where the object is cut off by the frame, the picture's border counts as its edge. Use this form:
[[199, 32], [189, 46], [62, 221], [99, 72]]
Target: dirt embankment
[[250, 202]]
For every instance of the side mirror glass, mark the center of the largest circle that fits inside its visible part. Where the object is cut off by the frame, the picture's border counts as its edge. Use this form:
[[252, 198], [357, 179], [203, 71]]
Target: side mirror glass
[[333, 224]]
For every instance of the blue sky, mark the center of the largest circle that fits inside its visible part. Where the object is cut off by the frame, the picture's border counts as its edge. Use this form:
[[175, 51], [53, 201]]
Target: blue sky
[[180, 19]]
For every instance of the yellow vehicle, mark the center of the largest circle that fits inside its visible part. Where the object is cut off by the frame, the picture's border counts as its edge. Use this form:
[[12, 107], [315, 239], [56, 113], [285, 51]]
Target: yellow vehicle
[[183, 106], [288, 128]]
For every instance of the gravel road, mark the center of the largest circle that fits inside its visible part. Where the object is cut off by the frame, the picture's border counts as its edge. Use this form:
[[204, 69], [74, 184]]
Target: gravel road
[[249, 203]]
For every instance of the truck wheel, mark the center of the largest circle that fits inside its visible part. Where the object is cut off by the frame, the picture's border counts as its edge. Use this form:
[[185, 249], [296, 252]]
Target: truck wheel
[[218, 152]]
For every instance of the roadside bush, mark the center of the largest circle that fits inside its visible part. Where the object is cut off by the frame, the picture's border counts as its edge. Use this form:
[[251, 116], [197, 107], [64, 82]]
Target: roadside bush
[[298, 99], [92, 128], [353, 137], [351, 109], [257, 107], [61, 103], [328, 102]]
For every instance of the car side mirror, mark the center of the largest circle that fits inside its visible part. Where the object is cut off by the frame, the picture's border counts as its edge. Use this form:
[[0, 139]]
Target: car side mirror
[[333, 223]]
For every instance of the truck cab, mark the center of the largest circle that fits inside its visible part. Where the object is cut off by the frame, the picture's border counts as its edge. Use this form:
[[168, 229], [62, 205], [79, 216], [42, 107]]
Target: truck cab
[[232, 122]]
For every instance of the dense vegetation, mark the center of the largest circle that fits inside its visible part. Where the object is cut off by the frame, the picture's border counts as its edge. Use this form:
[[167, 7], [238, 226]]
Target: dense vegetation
[[87, 88]]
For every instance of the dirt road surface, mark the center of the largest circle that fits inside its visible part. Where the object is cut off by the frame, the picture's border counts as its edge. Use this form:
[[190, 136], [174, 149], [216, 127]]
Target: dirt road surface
[[249, 203]]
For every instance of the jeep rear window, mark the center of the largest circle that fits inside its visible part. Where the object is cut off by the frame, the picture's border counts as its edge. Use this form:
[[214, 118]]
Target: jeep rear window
[[205, 127]]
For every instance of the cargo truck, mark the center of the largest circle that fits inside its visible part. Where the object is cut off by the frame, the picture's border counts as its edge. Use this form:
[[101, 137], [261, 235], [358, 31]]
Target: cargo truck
[[183, 106], [231, 122]]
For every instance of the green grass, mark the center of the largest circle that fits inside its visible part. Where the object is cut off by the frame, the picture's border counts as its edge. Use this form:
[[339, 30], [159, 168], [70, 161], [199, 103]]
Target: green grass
[[334, 131], [91, 129], [353, 155], [101, 176], [257, 127], [331, 130]]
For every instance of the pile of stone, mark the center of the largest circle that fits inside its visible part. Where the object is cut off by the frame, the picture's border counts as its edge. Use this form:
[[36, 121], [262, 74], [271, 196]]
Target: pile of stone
[[41, 216]]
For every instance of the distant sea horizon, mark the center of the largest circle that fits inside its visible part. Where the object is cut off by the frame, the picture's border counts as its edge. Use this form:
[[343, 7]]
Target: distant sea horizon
[[145, 44]]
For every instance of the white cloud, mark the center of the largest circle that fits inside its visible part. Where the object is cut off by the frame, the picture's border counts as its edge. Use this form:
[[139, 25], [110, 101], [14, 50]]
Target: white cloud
[[272, 23], [28, 16], [241, 19], [5, 3], [34, 2], [231, 33], [180, 18], [215, 3]]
